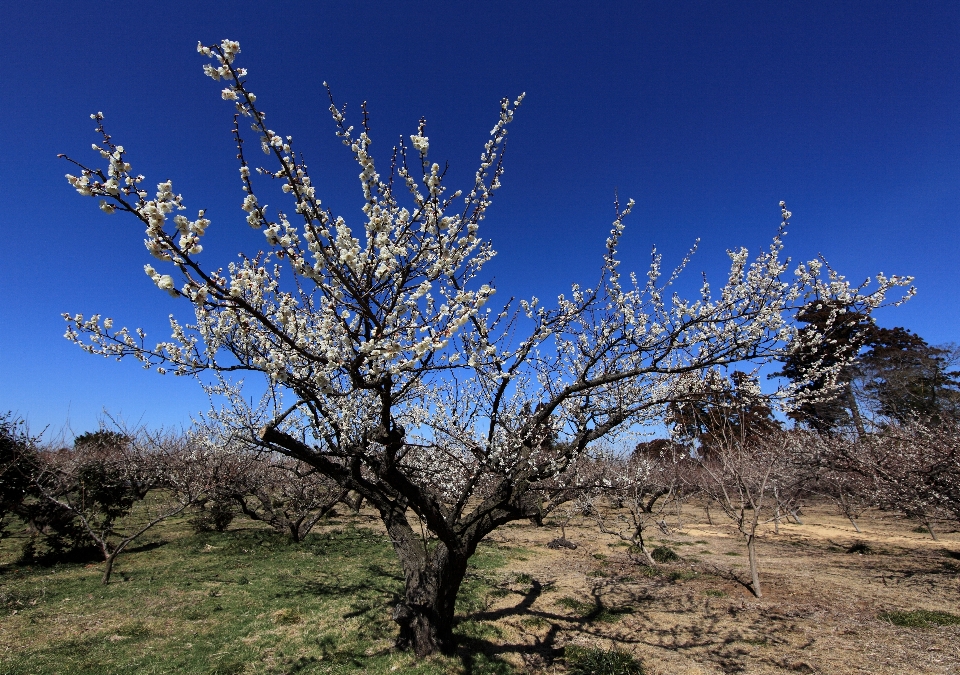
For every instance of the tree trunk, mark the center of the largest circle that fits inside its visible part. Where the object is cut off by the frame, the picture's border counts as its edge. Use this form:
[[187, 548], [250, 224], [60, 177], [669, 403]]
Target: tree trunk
[[707, 509], [641, 543], [754, 572], [930, 530], [426, 613], [854, 523], [108, 569], [649, 556], [855, 411]]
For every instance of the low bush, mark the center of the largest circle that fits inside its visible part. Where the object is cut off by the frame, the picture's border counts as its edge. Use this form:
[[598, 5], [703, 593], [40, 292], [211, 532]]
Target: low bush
[[214, 515], [664, 554], [585, 661]]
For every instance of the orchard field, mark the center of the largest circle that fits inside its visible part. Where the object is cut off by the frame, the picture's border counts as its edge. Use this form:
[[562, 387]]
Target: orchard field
[[427, 480], [249, 600]]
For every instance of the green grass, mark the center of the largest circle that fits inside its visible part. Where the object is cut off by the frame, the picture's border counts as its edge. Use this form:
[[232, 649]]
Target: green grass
[[241, 602], [920, 618], [524, 578], [590, 612], [583, 661]]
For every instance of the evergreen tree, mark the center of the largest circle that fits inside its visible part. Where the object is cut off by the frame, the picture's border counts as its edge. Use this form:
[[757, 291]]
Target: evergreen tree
[[909, 379], [728, 410], [844, 333], [18, 462]]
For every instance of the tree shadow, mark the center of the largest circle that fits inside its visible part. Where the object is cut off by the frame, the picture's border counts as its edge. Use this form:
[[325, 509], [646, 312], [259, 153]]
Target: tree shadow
[[150, 546], [536, 590], [542, 650], [729, 635], [729, 574]]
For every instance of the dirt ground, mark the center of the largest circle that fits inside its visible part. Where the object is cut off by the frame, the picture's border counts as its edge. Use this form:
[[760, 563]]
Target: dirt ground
[[821, 610]]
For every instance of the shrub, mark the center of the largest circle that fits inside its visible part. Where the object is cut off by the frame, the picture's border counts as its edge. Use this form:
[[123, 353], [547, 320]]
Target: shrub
[[214, 515], [664, 554], [584, 661], [860, 547], [18, 466]]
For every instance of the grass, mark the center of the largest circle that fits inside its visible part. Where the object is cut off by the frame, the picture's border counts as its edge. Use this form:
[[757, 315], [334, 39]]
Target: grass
[[682, 575], [233, 603], [590, 612], [920, 618], [583, 661]]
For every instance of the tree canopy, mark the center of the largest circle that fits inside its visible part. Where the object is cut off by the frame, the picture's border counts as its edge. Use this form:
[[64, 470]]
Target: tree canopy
[[384, 367]]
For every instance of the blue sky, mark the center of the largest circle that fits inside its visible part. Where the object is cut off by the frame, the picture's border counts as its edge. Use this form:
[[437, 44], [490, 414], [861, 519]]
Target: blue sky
[[707, 114]]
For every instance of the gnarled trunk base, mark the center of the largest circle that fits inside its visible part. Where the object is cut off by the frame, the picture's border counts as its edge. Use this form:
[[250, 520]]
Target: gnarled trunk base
[[423, 630], [426, 613]]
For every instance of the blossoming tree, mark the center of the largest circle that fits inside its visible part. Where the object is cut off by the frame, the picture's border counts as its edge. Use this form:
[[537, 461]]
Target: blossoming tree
[[397, 382]]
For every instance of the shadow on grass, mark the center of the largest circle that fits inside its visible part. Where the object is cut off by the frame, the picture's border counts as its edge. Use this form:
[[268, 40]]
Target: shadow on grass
[[151, 546], [730, 575], [479, 654], [731, 646]]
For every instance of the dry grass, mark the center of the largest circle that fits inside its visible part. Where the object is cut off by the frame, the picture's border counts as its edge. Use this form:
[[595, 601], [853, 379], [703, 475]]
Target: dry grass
[[824, 610]]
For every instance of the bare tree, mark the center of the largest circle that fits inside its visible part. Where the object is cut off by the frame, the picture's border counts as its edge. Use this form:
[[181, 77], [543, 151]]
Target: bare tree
[[399, 385], [849, 490], [741, 479], [222, 473], [104, 482], [290, 496], [641, 488], [910, 468]]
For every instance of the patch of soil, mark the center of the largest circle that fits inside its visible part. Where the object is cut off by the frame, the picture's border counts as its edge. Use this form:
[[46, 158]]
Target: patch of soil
[[824, 586]]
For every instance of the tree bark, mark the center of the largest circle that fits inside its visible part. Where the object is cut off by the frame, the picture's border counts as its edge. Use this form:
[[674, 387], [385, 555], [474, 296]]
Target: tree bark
[[426, 613], [108, 569], [930, 530], [855, 411], [854, 523], [649, 556], [754, 571]]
